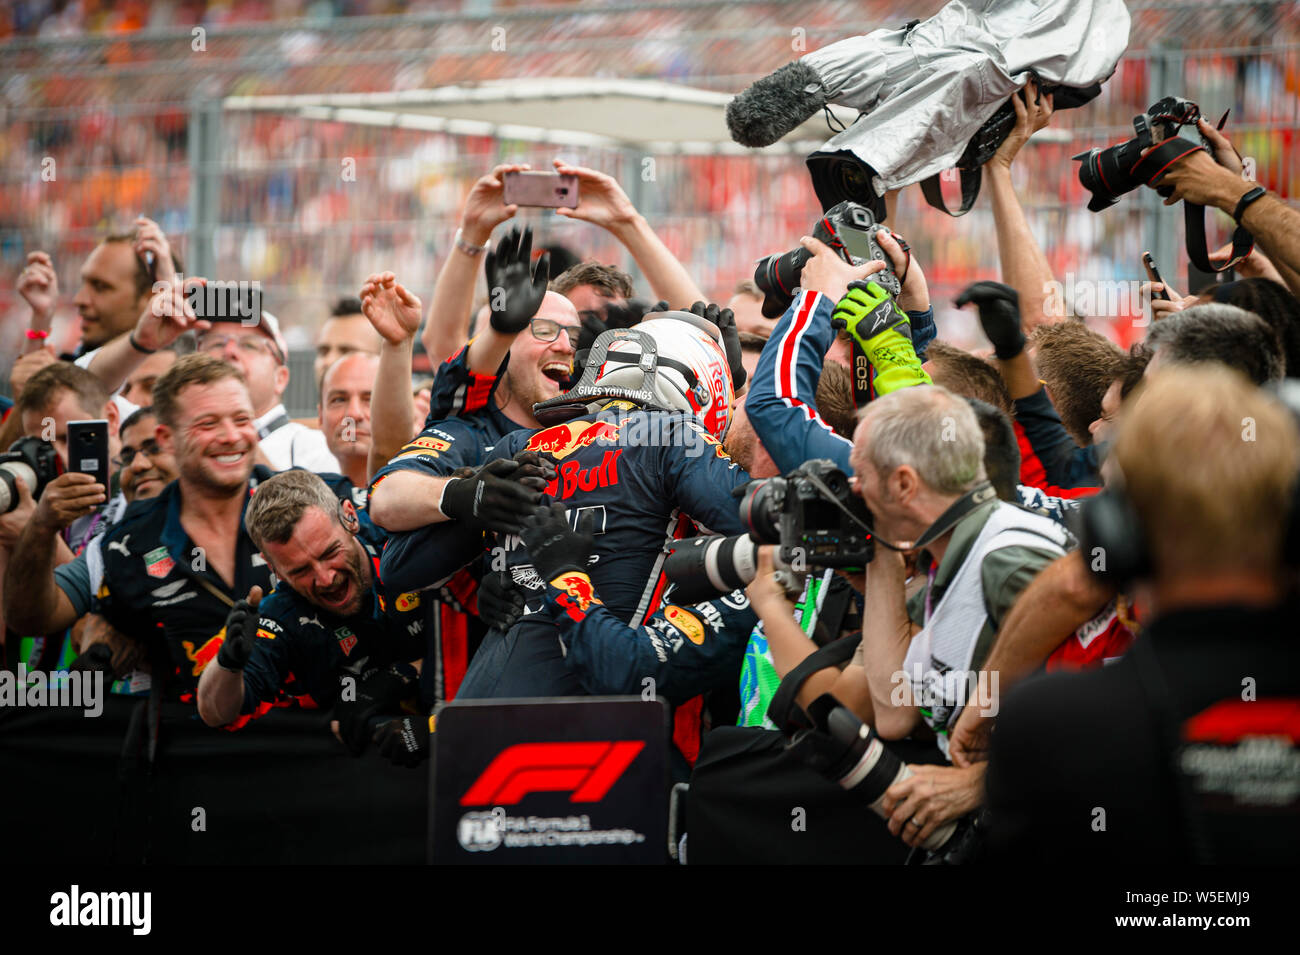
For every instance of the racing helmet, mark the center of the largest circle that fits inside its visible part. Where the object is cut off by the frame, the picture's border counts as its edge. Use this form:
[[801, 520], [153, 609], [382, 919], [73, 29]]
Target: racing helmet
[[672, 360]]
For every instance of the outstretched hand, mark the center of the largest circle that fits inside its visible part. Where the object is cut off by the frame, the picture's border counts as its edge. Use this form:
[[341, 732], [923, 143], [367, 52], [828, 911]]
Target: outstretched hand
[[391, 310], [515, 289]]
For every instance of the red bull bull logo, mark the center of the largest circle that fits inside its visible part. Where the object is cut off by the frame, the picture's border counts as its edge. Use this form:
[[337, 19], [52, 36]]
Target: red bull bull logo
[[205, 654], [578, 593], [564, 439]]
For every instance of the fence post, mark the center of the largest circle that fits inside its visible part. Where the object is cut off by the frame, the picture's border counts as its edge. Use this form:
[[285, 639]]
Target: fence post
[[205, 182]]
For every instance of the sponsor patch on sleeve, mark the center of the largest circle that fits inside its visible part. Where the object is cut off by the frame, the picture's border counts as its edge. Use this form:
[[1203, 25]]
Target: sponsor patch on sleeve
[[691, 626]]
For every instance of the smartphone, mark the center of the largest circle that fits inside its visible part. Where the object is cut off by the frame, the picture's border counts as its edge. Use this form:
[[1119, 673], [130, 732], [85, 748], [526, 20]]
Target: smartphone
[[88, 449], [548, 190], [1153, 273]]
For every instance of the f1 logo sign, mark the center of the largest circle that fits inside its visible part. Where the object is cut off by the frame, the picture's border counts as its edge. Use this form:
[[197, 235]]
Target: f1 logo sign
[[586, 770]]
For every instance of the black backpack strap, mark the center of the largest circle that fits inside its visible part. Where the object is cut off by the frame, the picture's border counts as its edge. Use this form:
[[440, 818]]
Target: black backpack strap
[[970, 189], [833, 654]]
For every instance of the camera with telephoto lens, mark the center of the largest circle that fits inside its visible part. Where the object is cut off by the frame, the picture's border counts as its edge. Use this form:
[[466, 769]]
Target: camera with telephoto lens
[[1110, 172], [812, 513], [33, 460], [848, 228], [847, 752]]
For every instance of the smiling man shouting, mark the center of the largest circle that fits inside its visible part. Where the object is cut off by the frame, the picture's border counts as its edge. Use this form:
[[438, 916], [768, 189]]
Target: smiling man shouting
[[329, 634]]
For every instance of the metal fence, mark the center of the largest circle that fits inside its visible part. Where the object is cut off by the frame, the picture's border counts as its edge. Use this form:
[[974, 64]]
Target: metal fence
[[130, 125]]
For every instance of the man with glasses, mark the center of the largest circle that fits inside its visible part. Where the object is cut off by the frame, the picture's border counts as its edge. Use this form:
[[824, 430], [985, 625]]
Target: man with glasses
[[259, 352], [468, 414], [44, 599]]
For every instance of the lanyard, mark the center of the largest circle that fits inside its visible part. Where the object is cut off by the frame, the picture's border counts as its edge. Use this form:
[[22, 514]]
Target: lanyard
[[87, 536]]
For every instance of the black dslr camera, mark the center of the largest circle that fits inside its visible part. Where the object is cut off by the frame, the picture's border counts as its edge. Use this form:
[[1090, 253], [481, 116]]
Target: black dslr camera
[[848, 228], [33, 460], [1109, 173], [812, 513]]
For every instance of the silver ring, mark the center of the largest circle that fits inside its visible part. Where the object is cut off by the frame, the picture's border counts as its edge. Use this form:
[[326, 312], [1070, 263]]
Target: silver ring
[[913, 822]]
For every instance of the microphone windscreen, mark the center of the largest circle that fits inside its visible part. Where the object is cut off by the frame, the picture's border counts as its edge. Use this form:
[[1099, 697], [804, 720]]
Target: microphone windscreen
[[775, 105]]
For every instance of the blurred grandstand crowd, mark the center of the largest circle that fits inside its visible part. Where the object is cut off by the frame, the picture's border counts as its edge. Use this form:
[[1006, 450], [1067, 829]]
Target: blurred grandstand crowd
[[479, 500]]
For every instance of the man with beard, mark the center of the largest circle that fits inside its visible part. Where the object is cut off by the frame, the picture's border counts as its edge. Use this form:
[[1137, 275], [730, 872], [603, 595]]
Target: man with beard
[[175, 565], [329, 620]]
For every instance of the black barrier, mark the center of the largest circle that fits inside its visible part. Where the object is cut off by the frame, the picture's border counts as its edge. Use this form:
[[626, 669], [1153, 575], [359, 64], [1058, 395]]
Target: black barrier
[[281, 790], [550, 781]]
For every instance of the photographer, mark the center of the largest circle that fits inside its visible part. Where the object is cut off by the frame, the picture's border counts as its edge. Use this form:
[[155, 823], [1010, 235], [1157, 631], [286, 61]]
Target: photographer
[[1172, 753], [918, 459]]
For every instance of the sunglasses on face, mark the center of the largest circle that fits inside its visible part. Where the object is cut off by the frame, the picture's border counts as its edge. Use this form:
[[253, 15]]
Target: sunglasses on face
[[545, 330], [148, 449]]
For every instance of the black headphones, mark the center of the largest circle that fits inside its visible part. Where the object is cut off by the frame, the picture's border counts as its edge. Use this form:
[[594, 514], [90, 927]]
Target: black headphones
[[1114, 544]]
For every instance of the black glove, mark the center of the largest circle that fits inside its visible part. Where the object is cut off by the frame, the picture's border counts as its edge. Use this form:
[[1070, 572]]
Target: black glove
[[999, 309], [241, 630], [553, 545], [377, 690], [515, 290], [535, 471], [405, 741], [493, 496], [500, 602], [725, 319], [593, 324]]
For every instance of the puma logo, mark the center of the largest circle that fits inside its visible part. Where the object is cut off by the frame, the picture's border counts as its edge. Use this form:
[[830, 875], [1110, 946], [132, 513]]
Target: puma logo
[[121, 545]]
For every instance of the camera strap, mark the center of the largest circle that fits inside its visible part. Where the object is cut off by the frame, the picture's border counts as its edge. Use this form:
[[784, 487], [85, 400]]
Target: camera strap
[[779, 711], [863, 387], [1154, 165], [975, 497], [970, 190], [1243, 243]]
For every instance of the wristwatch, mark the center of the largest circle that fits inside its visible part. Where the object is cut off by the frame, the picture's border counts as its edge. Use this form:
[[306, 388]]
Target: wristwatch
[[468, 248], [1255, 194]]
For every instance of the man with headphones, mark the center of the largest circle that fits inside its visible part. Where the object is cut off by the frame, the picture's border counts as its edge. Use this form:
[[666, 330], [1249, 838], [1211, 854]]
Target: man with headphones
[[1186, 748]]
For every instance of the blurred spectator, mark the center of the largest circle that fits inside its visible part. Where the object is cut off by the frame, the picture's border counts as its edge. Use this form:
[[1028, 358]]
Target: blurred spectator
[[346, 331]]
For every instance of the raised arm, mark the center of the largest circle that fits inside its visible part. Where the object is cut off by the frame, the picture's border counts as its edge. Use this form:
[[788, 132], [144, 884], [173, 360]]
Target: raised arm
[[1024, 266], [167, 316], [38, 284], [1218, 182], [602, 202], [33, 602], [395, 314], [447, 325]]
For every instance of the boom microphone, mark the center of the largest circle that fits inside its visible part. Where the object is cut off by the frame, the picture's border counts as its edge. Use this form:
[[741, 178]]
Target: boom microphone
[[775, 105]]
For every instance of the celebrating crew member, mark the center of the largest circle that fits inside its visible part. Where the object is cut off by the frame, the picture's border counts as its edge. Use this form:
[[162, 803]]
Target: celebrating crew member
[[328, 619], [174, 566]]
